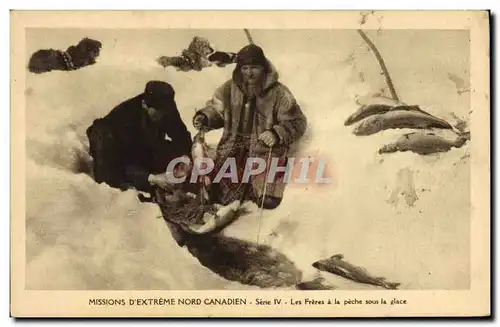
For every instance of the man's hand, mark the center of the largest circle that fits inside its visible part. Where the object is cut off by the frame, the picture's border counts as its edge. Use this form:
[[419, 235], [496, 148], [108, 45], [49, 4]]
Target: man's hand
[[160, 180], [199, 121], [269, 138]]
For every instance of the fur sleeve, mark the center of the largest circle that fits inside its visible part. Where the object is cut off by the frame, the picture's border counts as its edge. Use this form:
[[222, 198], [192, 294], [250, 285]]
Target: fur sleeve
[[292, 122], [214, 108]]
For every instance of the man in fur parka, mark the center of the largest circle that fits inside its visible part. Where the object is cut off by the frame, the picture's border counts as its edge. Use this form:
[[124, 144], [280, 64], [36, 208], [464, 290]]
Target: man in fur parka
[[260, 117]]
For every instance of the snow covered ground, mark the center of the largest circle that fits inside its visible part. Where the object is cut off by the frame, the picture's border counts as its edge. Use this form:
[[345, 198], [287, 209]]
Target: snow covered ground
[[81, 235]]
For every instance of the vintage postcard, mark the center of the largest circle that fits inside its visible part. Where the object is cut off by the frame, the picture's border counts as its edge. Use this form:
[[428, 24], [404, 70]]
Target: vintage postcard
[[250, 164]]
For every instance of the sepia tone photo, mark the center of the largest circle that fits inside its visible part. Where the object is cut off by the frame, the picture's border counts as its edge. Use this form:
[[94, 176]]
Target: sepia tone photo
[[228, 170]]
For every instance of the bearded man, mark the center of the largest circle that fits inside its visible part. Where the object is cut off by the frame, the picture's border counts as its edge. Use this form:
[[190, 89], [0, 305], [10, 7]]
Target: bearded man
[[260, 118]]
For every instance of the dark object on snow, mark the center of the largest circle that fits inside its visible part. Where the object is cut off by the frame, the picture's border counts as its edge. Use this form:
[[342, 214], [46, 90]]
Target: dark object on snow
[[193, 216], [222, 59], [133, 141], [394, 119], [375, 109], [245, 262], [421, 143], [241, 261], [315, 284], [336, 265], [75, 57], [236, 260], [199, 55]]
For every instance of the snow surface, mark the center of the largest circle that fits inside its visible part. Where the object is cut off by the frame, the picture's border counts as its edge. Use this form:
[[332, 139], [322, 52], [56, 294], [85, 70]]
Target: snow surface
[[81, 235]]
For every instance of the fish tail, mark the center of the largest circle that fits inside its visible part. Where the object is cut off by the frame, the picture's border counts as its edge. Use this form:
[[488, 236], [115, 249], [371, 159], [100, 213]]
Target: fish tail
[[465, 135], [391, 286], [462, 139]]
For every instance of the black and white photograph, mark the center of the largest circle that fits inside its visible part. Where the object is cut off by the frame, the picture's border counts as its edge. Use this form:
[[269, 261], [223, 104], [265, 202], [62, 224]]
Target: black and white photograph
[[324, 163]]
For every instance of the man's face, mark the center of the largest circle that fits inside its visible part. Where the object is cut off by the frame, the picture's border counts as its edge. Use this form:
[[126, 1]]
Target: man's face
[[153, 113], [252, 73]]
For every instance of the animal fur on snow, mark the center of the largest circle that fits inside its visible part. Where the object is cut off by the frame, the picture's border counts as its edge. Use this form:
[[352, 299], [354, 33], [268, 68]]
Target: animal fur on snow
[[200, 54]]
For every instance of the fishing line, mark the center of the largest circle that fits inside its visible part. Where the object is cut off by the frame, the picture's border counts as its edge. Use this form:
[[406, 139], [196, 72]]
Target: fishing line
[[263, 195]]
